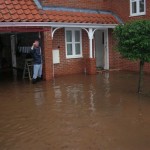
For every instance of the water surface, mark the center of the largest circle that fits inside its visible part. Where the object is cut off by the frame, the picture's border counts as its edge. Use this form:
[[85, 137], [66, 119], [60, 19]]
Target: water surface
[[76, 112]]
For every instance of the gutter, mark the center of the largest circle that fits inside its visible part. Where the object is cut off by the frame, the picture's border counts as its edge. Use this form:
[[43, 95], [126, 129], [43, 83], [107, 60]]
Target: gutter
[[56, 24]]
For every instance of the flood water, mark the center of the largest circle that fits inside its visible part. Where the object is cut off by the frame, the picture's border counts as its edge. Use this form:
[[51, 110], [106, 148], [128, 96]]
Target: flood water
[[76, 112]]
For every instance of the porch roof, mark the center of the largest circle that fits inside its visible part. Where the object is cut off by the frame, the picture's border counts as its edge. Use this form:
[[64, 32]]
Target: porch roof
[[27, 11], [80, 17]]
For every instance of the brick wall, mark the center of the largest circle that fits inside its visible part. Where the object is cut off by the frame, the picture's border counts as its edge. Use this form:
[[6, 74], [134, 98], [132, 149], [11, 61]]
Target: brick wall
[[122, 9], [69, 66], [88, 4], [47, 56], [117, 62]]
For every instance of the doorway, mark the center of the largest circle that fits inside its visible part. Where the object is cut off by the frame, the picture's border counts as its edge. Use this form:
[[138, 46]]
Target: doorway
[[14, 49], [101, 49]]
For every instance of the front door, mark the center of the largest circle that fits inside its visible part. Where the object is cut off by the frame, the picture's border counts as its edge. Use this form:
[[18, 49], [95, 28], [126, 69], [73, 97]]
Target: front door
[[101, 49]]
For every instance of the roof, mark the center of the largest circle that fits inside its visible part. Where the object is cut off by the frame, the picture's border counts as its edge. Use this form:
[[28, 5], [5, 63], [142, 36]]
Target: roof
[[80, 17], [27, 11]]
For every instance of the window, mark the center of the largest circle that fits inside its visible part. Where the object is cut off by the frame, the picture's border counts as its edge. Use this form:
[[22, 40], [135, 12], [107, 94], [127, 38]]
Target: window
[[137, 7], [73, 43]]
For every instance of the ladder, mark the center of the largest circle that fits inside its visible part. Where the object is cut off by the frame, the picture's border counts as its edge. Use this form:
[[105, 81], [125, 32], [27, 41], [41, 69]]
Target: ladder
[[28, 67]]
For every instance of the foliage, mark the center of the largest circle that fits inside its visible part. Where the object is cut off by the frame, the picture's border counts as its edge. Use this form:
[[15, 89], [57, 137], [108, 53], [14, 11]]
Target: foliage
[[133, 40]]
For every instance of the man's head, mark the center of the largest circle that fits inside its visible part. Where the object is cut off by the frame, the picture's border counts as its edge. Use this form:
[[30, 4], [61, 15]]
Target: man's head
[[36, 43]]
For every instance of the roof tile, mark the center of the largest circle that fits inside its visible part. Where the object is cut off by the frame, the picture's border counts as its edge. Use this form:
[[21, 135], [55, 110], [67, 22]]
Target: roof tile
[[2, 6], [4, 11], [24, 7], [12, 11], [15, 17], [20, 11], [15, 2], [1, 2], [8, 2], [10, 6], [17, 6]]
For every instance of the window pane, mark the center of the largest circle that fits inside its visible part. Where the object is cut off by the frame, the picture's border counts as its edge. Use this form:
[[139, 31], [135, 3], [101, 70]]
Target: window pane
[[141, 5], [134, 8], [69, 36], [77, 49], [69, 49], [77, 36]]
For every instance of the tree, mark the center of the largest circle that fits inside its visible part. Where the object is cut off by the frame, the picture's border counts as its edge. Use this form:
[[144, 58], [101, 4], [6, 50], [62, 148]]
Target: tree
[[133, 43]]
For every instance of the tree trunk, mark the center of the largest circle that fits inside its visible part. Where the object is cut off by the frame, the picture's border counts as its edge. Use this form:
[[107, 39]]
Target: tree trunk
[[141, 74]]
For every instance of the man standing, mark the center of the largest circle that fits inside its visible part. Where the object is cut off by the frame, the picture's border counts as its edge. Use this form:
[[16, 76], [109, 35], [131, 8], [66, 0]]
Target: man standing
[[37, 60]]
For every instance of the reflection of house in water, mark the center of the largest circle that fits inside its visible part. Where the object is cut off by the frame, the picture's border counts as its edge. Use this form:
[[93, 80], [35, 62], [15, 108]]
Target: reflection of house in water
[[58, 93], [75, 93], [39, 96]]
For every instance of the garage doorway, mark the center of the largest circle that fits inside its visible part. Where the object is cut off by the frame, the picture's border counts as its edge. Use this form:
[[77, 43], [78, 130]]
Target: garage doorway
[[14, 49]]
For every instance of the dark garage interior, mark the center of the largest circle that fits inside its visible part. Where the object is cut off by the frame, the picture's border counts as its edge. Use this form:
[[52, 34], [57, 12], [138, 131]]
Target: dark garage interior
[[14, 49]]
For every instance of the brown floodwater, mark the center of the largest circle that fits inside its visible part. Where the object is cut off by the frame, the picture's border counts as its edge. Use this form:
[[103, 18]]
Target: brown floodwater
[[76, 112]]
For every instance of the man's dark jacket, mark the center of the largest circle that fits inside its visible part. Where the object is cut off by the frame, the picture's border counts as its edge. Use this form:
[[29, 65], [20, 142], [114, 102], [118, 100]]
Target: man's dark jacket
[[36, 53]]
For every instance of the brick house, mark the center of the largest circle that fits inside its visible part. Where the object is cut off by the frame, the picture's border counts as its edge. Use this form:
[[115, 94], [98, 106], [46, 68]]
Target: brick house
[[76, 36]]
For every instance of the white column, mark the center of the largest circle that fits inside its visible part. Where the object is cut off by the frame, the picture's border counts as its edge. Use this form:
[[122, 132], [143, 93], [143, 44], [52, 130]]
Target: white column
[[90, 34], [106, 47], [91, 49]]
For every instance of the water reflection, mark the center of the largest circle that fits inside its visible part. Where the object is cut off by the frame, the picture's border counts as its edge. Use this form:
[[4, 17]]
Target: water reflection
[[58, 94], [91, 98], [107, 85], [38, 96], [75, 92]]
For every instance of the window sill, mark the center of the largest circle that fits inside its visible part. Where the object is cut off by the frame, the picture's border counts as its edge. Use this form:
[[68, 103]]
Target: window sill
[[74, 57], [136, 15]]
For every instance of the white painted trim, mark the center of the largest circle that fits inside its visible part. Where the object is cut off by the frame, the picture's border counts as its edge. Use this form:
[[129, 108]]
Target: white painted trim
[[106, 50], [138, 8], [73, 43], [90, 33], [83, 25], [54, 30], [56, 25]]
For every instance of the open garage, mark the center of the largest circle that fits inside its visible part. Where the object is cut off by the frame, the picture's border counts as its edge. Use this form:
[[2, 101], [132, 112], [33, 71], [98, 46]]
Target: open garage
[[15, 48]]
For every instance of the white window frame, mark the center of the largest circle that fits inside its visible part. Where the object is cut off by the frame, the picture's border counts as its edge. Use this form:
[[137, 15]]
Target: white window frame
[[73, 42], [138, 13]]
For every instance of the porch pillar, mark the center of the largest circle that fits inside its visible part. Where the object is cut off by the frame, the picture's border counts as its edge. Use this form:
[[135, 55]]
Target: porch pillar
[[47, 56], [91, 62], [90, 34]]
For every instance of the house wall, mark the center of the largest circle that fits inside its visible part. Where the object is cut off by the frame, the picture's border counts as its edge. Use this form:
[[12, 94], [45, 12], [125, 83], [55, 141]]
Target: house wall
[[69, 66], [87, 4], [122, 9]]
